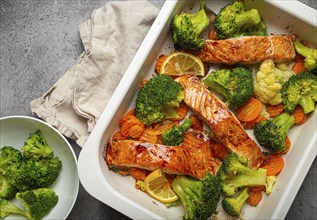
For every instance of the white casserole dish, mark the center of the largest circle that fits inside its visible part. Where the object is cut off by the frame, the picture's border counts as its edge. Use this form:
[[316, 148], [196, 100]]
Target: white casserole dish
[[119, 192]]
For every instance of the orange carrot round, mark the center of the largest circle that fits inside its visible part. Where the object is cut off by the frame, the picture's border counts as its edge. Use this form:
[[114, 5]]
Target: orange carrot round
[[148, 136], [254, 197], [118, 136], [251, 124], [159, 63], [288, 146], [257, 188], [274, 110], [299, 66], [273, 163], [250, 110], [197, 123], [299, 115]]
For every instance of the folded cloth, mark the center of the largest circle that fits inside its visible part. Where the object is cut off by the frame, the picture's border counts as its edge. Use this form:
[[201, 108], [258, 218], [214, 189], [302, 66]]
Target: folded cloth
[[111, 38]]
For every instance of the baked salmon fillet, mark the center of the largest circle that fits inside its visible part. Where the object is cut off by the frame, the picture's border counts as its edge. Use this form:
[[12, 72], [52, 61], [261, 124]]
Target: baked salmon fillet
[[249, 50], [172, 160], [220, 119]]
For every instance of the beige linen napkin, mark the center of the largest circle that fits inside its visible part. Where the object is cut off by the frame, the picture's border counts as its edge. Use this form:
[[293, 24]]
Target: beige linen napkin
[[110, 38]]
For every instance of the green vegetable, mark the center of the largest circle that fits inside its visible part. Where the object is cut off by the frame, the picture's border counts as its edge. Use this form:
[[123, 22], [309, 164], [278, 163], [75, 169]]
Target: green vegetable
[[37, 203], [270, 181], [36, 147], [269, 81], [199, 197], [158, 99], [300, 89], [235, 85], [34, 174], [9, 157], [187, 28], [234, 173], [175, 135], [271, 133], [7, 190], [233, 205], [309, 54], [7, 208], [234, 21]]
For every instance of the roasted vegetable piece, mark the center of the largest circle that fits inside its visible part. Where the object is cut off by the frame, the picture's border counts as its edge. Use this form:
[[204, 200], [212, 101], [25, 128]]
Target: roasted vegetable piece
[[300, 89], [235, 85], [187, 28], [37, 203], [9, 158], [271, 133], [309, 54], [175, 135], [234, 21], [36, 147], [199, 197], [35, 174], [158, 99], [7, 190], [8, 208], [233, 205], [234, 173]]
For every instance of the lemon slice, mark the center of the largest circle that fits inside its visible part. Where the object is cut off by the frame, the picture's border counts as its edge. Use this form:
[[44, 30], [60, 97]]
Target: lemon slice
[[157, 186], [181, 63]]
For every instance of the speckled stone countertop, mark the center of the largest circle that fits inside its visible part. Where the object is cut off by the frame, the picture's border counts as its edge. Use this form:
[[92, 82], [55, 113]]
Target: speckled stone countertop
[[39, 43]]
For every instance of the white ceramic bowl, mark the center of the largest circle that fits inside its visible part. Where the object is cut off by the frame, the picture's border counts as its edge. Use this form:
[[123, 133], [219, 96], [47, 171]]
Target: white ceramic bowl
[[16, 129]]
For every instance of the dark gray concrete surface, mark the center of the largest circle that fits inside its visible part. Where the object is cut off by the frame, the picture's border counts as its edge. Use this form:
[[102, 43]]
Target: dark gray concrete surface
[[39, 42]]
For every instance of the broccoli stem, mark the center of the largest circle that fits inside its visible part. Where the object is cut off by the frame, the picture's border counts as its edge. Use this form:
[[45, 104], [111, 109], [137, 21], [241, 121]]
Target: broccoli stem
[[284, 121], [248, 19], [197, 20], [302, 49], [307, 104], [186, 124]]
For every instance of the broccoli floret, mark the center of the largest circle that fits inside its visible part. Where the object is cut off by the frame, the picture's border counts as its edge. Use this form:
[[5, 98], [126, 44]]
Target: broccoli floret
[[309, 54], [233, 205], [7, 190], [37, 203], [271, 133], [270, 181], [300, 89], [199, 197], [9, 158], [34, 174], [234, 21], [158, 99], [36, 147], [235, 85], [175, 135], [234, 173], [7, 208], [187, 28]]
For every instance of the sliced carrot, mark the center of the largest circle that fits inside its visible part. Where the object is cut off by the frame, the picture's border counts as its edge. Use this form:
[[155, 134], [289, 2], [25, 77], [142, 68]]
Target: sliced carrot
[[251, 124], [273, 163], [161, 128], [299, 115], [197, 123], [299, 66], [250, 110], [254, 197], [274, 110], [136, 130], [288, 146], [127, 125], [159, 63], [149, 136], [193, 139], [212, 35], [126, 118], [219, 150], [181, 112], [118, 136], [257, 188]]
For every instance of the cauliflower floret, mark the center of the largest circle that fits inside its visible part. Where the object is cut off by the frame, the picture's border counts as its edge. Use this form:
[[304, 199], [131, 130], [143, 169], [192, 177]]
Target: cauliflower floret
[[269, 81]]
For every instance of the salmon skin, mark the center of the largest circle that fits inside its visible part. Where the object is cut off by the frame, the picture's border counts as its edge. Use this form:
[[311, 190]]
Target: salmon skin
[[170, 159], [249, 50], [220, 119]]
